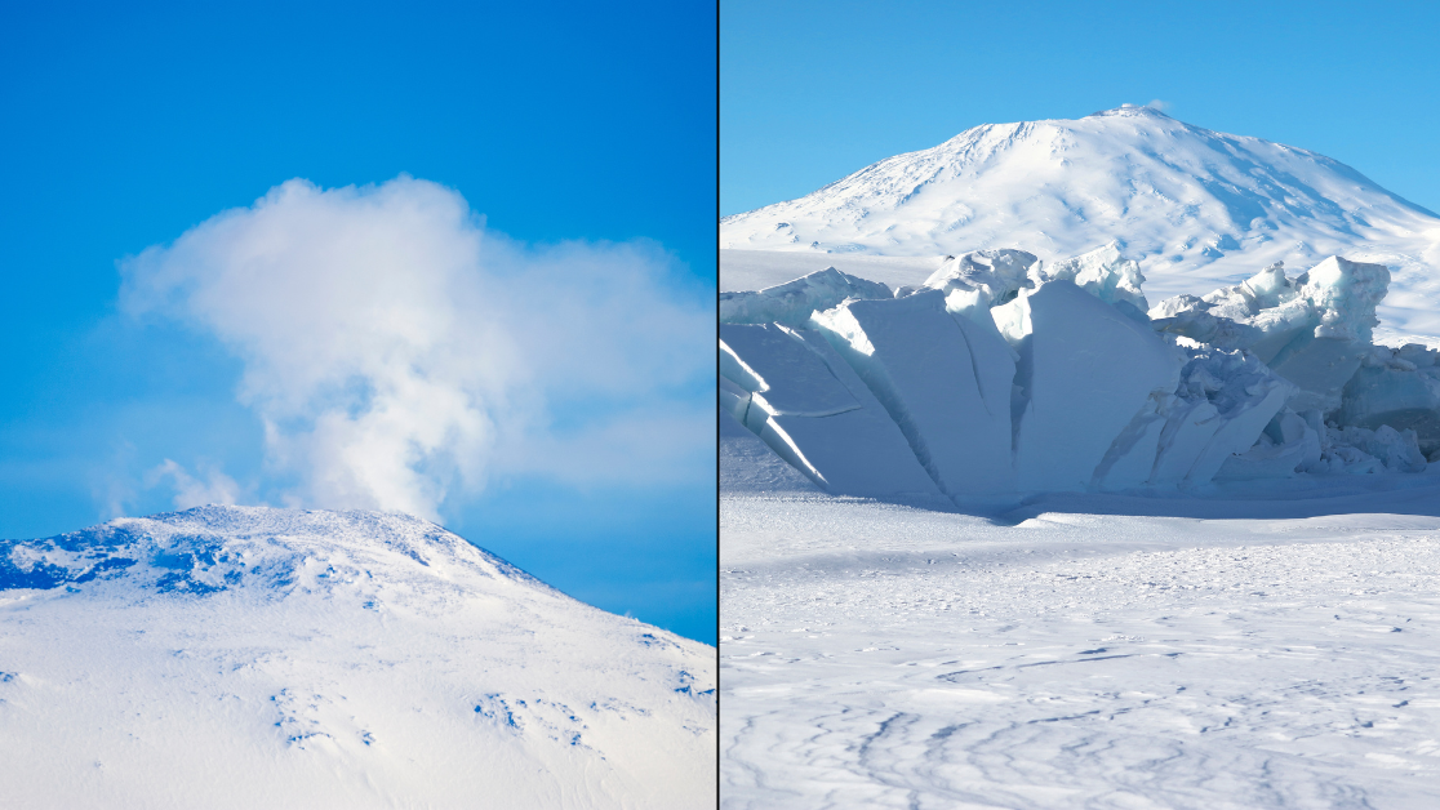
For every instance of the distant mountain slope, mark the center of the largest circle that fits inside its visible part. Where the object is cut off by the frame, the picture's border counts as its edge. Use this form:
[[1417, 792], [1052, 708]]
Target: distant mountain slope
[[1198, 208], [229, 657]]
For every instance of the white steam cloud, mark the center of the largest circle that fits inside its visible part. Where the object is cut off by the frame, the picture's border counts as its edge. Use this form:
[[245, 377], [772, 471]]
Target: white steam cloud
[[397, 353], [216, 486]]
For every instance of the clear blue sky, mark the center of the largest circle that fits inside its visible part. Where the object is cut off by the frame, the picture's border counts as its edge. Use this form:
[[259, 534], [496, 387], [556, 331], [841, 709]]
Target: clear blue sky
[[811, 91], [125, 124]]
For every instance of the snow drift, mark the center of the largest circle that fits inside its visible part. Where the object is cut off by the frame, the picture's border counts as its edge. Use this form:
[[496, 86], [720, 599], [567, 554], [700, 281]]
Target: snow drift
[[248, 657], [1003, 374]]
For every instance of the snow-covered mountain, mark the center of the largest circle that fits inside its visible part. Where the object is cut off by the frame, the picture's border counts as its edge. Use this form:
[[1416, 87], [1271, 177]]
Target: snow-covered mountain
[[1198, 209], [252, 657]]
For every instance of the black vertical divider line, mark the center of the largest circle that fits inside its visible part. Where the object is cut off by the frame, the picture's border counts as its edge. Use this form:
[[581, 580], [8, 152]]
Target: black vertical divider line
[[719, 692]]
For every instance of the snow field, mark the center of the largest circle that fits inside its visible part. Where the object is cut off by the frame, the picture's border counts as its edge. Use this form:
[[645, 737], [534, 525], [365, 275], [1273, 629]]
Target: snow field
[[881, 656]]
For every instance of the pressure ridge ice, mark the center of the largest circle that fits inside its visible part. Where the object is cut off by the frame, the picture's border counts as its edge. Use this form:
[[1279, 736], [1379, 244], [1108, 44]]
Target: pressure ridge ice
[[1003, 374], [239, 657]]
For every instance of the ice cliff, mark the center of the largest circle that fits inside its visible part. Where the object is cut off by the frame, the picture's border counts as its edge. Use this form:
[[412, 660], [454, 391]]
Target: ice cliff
[[1002, 374]]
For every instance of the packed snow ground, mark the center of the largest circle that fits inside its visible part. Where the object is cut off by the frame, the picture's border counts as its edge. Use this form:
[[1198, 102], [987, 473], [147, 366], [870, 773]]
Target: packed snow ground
[[1247, 649], [229, 657]]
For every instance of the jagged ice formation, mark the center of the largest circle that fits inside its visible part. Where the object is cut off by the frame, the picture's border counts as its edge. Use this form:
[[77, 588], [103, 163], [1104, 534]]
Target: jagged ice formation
[[1003, 375]]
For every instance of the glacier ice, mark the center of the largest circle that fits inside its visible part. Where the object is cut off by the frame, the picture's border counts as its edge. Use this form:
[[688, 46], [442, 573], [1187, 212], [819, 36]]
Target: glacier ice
[[791, 303], [1003, 375], [1200, 209], [1313, 330], [1224, 400], [1351, 449], [1073, 396], [944, 380], [1289, 444], [747, 464], [794, 392], [985, 277], [1106, 274], [1399, 388]]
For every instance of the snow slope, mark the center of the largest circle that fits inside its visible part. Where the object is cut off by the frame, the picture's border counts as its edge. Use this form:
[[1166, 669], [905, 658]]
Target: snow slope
[[1199, 209], [229, 657], [1257, 648]]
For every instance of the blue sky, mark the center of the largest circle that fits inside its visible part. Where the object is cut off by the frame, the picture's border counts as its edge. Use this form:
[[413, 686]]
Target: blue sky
[[575, 143], [812, 91]]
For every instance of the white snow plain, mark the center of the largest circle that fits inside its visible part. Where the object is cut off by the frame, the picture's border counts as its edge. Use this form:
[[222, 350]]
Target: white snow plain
[[1253, 648], [233, 657]]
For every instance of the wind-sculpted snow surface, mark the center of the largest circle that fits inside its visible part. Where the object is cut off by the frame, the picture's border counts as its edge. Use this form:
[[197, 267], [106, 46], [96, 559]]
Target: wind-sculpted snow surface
[[229, 657], [1270, 648], [1251, 623], [1003, 375]]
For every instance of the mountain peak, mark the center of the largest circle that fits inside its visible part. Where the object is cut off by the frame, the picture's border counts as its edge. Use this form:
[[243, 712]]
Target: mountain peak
[[319, 659], [253, 550], [1131, 111], [1198, 209]]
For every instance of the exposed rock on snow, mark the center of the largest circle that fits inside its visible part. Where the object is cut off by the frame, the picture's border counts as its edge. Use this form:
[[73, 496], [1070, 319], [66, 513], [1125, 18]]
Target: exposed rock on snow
[[229, 657]]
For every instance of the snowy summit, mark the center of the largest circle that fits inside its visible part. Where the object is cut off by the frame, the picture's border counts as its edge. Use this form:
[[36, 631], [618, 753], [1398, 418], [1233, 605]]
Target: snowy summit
[[252, 657], [1198, 209]]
